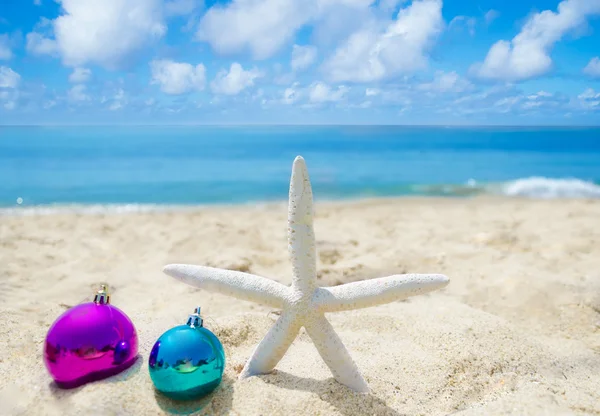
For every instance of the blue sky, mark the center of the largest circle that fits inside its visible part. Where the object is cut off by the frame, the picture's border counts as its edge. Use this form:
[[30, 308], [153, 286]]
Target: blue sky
[[300, 61]]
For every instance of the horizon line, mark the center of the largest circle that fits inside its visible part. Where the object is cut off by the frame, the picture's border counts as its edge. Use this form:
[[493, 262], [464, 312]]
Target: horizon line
[[290, 125]]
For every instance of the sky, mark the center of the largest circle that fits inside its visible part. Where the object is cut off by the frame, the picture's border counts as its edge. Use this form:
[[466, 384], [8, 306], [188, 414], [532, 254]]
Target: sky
[[443, 62]]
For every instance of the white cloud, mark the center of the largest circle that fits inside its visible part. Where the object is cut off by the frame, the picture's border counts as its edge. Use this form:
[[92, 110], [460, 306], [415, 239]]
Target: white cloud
[[260, 26], [506, 104], [234, 81], [78, 93], [589, 99], [320, 92], [490, 16], [180, 7], [359, 4], [389, 5], [312, 95], [376, 52], [291, 94], [177, 77], [263, 27], [486, 97], [395, 94], [540, 94], [258, 95], [9, 78], [336, 20], [105, 32], [284, 79], [364, 104], [446, 82], [49, 104], [37, 44], [9, 98], [467, 22], [593, 68], [37, 2], [589, 94], [303, 57], [119, 100], [528, 105], [5, 51], [80, 75], [542, 100], [528, 54], [507, 99]]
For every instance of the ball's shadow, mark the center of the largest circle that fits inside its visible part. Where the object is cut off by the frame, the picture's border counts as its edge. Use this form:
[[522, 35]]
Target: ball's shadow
[[346, 401], [220, 398]]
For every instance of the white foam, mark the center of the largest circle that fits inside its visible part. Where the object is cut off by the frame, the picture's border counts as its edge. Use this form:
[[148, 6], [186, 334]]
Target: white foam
[[99, 209], [86, 209], [541, 187]]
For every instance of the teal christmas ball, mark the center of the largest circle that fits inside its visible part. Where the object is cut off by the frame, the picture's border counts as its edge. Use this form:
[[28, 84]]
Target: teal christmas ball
[[187, 361]]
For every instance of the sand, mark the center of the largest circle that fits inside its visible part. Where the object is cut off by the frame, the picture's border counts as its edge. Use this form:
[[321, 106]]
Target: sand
[[517, 330]]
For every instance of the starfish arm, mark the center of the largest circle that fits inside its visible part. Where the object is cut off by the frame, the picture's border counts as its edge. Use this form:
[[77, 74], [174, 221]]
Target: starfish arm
[[228, 282], [375, 291], [301, 237], [334, 353], [273, 346]]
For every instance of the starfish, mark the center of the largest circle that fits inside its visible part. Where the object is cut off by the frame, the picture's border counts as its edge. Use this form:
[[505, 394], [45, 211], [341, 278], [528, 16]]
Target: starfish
[[304, 304]]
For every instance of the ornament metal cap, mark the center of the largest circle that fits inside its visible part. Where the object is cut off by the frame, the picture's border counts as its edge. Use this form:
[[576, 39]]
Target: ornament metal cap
[[195, 320], [102, 297]]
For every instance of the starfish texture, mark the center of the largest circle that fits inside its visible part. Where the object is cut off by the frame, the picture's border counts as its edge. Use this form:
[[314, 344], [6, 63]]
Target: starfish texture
[[304, 304]]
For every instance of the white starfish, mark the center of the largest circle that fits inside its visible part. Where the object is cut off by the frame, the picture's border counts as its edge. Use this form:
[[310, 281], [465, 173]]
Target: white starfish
[[304, 303]]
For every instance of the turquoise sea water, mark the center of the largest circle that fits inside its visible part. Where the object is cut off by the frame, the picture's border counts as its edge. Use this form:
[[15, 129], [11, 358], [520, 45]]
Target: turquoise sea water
[[171, 165]]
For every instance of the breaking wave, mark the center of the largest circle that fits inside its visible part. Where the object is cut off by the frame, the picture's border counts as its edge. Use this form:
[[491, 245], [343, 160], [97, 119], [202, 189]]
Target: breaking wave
[[540, 187], [533, 187], [88, 209]]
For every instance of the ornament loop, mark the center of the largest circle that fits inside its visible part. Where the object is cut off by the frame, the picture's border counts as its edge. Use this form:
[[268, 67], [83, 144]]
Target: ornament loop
[[102, 297], [195, 320]]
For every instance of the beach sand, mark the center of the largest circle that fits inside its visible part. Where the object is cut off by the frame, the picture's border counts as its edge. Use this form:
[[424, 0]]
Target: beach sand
[[517, 330]]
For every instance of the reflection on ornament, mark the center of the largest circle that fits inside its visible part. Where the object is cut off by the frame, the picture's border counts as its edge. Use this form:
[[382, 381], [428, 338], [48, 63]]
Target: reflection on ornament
[[187, 361], [90, 342]]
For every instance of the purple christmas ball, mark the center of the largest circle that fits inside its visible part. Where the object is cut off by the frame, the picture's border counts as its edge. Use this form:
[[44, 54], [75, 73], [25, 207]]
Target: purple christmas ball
[[90, 342]]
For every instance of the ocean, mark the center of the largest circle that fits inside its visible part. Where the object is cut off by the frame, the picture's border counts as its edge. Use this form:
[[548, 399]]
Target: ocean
[[136, 167]]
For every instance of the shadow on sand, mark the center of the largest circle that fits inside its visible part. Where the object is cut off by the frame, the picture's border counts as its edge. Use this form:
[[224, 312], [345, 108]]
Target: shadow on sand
[[346, 401], [222, 398]]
